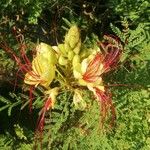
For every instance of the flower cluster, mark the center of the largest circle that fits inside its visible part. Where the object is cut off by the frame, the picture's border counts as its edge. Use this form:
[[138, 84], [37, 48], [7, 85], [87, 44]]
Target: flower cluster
[[73, 67]]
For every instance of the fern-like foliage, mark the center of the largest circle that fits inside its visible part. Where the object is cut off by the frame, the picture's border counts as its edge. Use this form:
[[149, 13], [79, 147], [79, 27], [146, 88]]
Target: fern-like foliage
[[134, 40], [136, 11], [8, 104], [17, 141]]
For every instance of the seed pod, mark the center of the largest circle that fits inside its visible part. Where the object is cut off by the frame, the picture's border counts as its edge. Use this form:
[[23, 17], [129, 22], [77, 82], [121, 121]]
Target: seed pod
[[62, 61]]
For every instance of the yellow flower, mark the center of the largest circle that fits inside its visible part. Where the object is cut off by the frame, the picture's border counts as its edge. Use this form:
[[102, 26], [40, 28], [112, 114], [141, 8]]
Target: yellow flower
[[43, 67]]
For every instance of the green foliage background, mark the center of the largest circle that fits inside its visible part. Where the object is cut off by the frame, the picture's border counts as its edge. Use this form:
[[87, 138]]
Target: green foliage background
[[67, 128]]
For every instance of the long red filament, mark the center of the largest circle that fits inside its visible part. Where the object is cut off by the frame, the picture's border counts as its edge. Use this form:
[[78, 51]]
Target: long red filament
[[111, 59], [41, 119], [106, 106], [108, 59], [91, 73]]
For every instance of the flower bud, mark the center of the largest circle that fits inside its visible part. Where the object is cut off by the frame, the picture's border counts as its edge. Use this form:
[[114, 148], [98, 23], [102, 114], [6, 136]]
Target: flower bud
[[71, 55], [67, 47], [77, 71], [73, 36], [76, 60], [52, 94], [78, 100], [62, 49], [77, 48], [62, 61]]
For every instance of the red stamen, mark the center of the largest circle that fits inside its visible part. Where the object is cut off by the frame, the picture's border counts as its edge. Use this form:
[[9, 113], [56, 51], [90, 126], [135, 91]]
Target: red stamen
[[111, 59], [106, 106], [24, 67], [24, 56], [41, 119], [39, 67], [112, 50], [92, 72]]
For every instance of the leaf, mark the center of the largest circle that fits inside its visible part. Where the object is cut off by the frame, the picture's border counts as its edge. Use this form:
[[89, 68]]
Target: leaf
[[4, 107], [12, 106], [4, 100]]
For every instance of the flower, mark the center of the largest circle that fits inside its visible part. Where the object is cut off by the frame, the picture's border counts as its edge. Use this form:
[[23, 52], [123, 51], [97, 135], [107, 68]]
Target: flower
[[42, 72], [89, 73], [43, 67]]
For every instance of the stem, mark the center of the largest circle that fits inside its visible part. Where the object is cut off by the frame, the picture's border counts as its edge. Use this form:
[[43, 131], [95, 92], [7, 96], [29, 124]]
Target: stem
[[60, 74]]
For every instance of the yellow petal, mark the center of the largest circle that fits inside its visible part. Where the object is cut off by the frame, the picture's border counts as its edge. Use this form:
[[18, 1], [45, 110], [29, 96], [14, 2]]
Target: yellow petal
[[44, 72], [36, 65], [30, 79], [47, 52], [48, 75]]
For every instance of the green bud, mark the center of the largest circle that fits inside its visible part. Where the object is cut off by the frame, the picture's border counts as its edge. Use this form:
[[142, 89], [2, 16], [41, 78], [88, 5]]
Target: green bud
[[62, 61], [76, 60], [67, 47], [77, 48], [66, 39], [71, 55], [61, 47], [73, 36], [85, 52], [77, 67]]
